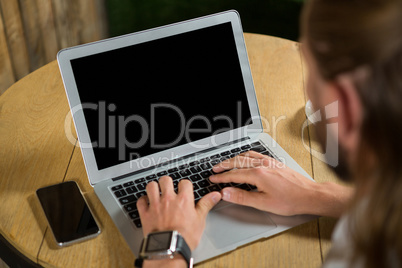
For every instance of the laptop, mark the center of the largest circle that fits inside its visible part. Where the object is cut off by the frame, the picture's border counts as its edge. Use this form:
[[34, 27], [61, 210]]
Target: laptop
[[172, 100]]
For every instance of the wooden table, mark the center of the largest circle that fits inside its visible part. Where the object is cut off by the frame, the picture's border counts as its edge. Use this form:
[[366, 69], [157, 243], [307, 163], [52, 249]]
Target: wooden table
[[35, 152]]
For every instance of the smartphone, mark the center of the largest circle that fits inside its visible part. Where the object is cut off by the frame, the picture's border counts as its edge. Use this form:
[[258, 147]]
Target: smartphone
[[67, 213]]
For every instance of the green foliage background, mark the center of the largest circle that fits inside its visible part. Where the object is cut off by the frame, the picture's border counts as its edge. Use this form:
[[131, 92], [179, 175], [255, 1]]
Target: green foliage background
[[273, 17]]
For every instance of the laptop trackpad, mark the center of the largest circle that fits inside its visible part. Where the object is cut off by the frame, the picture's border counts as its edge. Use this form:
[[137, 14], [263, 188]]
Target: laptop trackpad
[[232, 224]]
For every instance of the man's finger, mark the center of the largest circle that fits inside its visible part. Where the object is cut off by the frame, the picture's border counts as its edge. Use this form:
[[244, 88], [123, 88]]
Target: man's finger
[[142, 204], [153, 192], [185, 187], [206, 203], [237, 162], [246, 160], [241, 197], [166, 185]]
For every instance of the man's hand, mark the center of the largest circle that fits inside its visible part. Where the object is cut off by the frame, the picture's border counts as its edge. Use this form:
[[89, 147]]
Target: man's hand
[[162, 209], [281, 190]]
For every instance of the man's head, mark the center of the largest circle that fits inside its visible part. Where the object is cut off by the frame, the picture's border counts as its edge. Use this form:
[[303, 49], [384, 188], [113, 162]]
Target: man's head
[[353, 50]]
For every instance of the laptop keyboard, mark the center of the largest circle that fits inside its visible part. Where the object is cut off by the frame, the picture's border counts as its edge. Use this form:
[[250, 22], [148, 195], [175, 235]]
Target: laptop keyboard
[[198, 172]]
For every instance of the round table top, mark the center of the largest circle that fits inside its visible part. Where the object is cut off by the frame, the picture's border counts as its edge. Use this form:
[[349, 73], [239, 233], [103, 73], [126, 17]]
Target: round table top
[[35, 152]]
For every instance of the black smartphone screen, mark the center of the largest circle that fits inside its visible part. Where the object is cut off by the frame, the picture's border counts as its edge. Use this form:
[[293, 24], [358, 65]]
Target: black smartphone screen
[[67, 212]]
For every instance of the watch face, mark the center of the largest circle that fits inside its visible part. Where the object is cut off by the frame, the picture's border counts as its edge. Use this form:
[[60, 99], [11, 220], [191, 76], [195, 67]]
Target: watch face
[[159, 241]]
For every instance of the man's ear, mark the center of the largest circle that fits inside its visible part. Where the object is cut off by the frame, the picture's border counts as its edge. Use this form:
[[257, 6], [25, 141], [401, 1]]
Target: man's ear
[[343, 89]]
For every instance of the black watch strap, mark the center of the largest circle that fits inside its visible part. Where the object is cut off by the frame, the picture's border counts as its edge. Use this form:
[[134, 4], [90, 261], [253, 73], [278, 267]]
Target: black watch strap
[[184, 250]]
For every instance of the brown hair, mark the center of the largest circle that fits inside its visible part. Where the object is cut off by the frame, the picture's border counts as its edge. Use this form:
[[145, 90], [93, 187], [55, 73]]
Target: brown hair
[[343, 36]]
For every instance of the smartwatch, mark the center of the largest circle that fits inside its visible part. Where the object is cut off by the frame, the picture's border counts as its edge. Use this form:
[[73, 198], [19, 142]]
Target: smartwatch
[[164, 245]]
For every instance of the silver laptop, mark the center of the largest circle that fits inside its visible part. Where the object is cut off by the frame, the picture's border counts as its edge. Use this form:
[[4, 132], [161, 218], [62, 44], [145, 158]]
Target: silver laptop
[[173, 100]]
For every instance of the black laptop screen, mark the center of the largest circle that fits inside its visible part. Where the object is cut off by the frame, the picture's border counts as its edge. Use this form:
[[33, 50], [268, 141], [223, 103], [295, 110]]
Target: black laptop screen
[[144, 98]]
